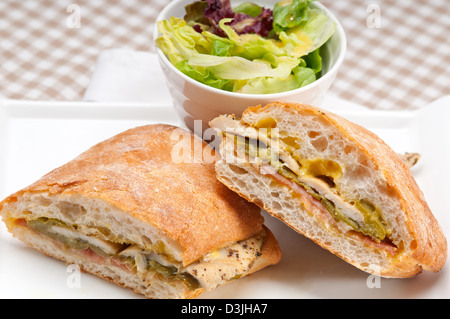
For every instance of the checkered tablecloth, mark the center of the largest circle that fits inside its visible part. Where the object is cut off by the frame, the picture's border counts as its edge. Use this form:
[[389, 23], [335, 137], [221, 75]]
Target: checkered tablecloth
[[398, 51]]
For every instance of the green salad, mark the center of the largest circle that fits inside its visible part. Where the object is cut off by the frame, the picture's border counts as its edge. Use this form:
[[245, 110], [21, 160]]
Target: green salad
[[248, 48]]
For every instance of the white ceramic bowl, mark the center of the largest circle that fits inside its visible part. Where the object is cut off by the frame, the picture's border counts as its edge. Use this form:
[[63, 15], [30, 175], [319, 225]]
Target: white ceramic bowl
[[196, 101]]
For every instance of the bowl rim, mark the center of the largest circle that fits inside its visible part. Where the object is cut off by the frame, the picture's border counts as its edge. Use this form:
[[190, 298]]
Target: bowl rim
[[331, 72]]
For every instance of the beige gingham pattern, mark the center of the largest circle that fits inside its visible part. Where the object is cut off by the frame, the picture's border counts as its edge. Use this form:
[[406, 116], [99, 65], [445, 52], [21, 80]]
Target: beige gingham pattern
[[400, 62], [43, 56]]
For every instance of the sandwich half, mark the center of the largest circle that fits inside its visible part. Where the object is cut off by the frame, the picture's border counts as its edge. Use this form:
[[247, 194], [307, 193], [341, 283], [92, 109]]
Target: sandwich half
[[334, 182], [144, 210]]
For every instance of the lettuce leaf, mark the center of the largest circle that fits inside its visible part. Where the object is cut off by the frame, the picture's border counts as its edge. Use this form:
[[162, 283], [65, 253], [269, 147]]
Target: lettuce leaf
[[179, 41], [249, 8], [248, 46], [300, 77], [204, 75], [290, 13], [318, 29], [301, 28], [314, 61], [237, 68], [194, 12]]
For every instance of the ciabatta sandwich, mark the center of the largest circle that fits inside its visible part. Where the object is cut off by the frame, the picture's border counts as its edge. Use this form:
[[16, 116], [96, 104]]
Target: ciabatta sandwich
[[334, 182], [144, 210]]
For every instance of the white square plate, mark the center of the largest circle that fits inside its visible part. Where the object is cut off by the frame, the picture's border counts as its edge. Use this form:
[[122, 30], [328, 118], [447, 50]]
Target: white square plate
[[36, 137]]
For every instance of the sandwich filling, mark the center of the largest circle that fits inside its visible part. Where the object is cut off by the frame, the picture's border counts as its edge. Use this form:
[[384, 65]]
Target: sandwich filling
[[271, 152], [215, 268]]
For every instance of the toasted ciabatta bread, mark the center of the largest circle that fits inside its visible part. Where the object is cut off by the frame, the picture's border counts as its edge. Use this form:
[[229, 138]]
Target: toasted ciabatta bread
[[145, 211], [334, 182]]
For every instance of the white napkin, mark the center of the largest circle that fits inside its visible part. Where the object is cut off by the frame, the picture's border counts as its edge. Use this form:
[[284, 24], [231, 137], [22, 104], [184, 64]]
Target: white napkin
[[125, 75]]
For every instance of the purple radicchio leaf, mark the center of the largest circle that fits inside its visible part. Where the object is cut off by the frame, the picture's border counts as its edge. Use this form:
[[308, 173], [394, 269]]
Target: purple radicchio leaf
[[217, 10]]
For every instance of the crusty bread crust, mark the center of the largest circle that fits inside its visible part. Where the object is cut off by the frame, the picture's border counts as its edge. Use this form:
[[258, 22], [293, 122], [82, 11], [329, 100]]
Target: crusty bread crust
[[133, 188], [415, 227], [429, 246], [134, 172], [270, 252]]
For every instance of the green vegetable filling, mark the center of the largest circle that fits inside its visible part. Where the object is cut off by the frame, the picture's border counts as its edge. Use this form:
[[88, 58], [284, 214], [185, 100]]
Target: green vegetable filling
[[43, 225], [374, 225], [170, 272]]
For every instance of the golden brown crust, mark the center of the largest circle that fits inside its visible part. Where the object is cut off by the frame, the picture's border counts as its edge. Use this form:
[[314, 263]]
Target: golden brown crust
[[134, 171], [429, 247]]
